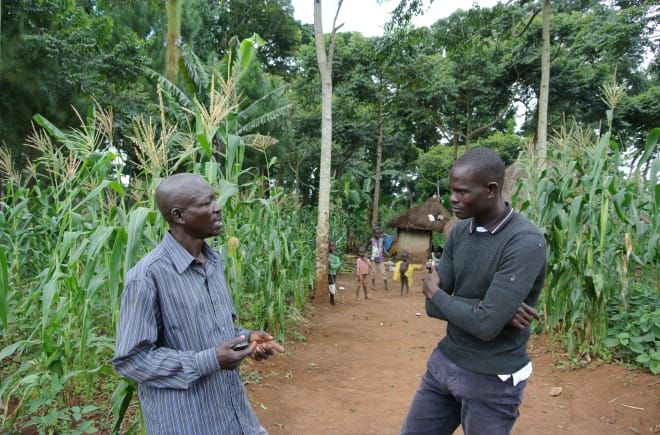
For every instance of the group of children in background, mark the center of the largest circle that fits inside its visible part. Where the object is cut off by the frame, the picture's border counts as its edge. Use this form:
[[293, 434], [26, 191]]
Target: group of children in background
[[403, 271]]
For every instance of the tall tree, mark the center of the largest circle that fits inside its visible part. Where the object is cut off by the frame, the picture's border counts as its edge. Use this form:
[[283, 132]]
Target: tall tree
[[484, 95], [325, 68], [379, 159], [591, 42], [386, 71], [542, 129], [172, 40]]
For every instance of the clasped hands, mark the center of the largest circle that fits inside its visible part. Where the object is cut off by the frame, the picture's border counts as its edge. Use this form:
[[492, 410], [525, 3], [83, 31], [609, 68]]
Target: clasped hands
[[260, 347], [520, 320]]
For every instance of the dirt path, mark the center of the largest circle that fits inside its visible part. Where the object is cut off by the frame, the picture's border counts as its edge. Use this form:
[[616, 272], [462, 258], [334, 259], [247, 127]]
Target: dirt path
[[360, 362]]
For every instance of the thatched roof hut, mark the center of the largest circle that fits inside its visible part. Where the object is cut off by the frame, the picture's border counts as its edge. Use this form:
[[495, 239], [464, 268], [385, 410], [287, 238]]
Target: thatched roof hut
[[417, 218], [415, 227]]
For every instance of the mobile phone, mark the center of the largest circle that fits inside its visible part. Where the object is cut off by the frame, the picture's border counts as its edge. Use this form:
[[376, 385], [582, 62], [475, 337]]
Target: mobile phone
[[240, 346]]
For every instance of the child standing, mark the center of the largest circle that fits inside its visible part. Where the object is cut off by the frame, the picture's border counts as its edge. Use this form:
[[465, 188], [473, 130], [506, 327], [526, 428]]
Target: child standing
[[377, 244], [333, 266], [362, 267], [403, 272]]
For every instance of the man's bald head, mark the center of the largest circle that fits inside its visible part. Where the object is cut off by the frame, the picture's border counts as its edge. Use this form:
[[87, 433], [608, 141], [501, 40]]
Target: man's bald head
[[177, 191]]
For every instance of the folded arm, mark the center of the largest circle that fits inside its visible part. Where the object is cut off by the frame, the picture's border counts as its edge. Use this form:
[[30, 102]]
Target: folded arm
[[504, 302]]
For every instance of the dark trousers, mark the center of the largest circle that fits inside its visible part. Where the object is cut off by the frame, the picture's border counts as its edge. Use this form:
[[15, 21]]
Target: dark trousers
[[449, 395]]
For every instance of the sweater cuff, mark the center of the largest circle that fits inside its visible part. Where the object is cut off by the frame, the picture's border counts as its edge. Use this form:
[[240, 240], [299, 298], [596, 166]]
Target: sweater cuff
[[207, 362], [432, 310]]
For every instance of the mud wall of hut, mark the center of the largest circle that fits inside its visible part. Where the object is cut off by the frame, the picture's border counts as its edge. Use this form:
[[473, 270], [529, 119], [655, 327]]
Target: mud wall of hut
[[416, 243]]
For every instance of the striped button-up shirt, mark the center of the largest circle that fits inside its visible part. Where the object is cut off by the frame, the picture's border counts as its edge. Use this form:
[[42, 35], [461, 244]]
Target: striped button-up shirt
[[174, 311]]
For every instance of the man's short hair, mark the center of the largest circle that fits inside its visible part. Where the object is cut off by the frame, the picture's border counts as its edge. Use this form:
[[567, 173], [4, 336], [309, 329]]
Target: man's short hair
[[485, 162]]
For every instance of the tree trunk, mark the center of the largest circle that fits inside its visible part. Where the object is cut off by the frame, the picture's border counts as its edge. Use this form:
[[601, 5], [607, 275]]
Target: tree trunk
[[173, 34], [379, 157], [542, 128], [455, 136], [323, 224]]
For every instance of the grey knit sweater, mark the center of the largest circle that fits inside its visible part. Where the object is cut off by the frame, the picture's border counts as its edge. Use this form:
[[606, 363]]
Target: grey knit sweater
[[485, 278]]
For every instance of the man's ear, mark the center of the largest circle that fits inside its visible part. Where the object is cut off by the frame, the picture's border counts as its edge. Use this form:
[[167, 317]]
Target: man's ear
[[177, 215], [493, 189]]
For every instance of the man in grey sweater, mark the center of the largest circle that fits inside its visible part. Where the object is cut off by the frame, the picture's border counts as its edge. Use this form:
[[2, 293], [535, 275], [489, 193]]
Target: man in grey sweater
[[487, 282]]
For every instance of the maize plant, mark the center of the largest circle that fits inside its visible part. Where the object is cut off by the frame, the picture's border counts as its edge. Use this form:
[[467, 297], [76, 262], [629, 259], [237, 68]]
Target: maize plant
[[597, 220]]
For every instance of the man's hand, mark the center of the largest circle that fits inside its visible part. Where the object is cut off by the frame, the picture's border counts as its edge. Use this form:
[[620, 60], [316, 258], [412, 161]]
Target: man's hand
[[524, 316], [265, 345], [230, 359], [431, 284]]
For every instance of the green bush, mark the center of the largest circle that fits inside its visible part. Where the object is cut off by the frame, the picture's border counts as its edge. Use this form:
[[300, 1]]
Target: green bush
[[633, 335]]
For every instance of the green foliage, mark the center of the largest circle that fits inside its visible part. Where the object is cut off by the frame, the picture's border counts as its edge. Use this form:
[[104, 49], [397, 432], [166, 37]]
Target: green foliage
[[223, 21], [640, 113], [600, 225], [348, 209], [508, 146], [46, 410], [472, 102], [58, 55], [4, 287], [591, 41], [633, 335], [55, 347], [69, 228], [433, 167], [262, 104]]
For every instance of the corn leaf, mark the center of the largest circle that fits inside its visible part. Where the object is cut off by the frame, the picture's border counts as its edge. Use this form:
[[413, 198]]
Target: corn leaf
[[136, 223], [651, 146], [10, 349], [48, 294], [115, 275], [50, 128], [4, 287], [121, 399], [200, 133], [93, 194]]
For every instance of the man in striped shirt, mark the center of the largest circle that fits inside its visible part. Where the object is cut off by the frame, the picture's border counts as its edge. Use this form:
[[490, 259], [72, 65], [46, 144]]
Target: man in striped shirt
[[176, 335]]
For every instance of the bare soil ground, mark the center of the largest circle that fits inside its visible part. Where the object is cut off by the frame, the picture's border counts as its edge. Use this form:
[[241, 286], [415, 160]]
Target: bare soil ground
[[360, 362]]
